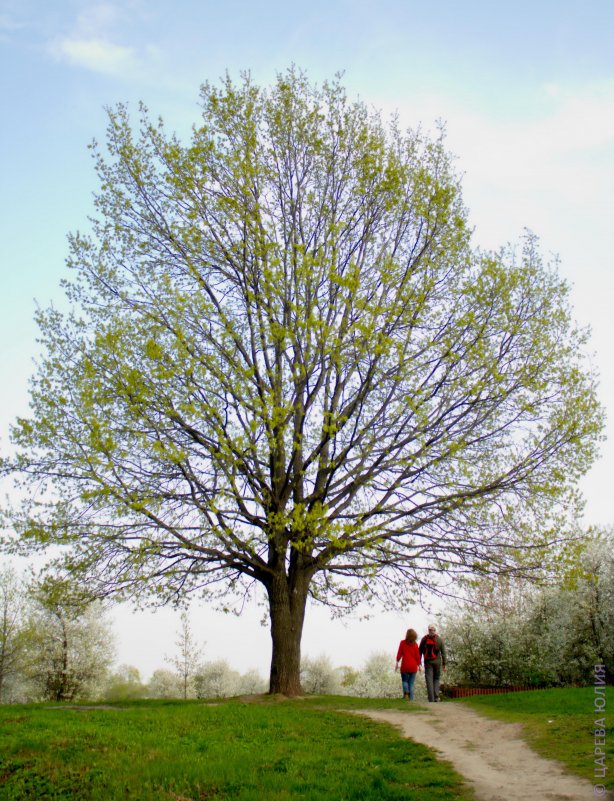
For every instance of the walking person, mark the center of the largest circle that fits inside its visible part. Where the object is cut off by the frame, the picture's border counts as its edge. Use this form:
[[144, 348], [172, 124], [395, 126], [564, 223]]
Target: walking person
[[408, 659], [433, 651]]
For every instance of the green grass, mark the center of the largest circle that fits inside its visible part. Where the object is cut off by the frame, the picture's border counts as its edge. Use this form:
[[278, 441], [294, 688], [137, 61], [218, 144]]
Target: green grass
[[558, 724], [190, 751]]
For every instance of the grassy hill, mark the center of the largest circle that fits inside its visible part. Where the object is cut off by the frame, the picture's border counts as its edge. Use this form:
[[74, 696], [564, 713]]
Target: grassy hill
[[234, 750], [264, 748]]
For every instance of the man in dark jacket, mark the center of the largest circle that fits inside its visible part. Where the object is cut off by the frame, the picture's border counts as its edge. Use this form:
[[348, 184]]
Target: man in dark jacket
[[433, 653]]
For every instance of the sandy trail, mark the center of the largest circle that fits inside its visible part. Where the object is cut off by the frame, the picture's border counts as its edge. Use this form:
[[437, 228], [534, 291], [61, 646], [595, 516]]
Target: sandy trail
[[489, 754]]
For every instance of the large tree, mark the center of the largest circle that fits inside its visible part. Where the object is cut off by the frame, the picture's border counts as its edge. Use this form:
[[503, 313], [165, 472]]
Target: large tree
[[285, 365]]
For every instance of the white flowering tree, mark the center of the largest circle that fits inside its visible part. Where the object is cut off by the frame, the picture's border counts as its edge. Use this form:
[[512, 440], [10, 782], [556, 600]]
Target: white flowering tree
[[12, 639], [164, 683], [217, 680], [70, 645], [510, 633], [319, 677]]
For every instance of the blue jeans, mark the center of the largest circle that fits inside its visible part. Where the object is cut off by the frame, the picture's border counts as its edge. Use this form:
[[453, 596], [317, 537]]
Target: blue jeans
[[408, 680]]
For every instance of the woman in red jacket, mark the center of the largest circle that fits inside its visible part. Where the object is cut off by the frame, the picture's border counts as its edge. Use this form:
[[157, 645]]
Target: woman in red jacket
[[409, 658]]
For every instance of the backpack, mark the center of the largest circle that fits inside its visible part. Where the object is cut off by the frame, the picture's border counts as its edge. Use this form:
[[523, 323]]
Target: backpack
[[431, 647]]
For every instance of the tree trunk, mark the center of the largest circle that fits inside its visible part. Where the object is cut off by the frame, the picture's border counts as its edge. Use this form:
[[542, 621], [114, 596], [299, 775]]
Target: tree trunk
[[287, 611], [62, 691]]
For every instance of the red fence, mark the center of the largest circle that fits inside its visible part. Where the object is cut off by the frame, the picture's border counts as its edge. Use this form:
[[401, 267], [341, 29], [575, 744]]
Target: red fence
[[462, 692]]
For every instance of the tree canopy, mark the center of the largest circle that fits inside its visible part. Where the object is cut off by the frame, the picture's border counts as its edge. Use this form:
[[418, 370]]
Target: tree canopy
[[286, 365]]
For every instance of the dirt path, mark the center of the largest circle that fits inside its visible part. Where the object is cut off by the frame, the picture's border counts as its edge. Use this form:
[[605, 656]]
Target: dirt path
[[489, 754]]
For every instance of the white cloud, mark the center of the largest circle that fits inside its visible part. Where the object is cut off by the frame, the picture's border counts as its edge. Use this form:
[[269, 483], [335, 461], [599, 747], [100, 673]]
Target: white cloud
[[543, 168], [97, 55], [94, 44]]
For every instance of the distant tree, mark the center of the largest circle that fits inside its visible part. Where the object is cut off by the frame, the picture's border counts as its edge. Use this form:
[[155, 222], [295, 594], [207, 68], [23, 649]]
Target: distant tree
[[187, 658], [577, 618], [484, 650], [164, 684], [286, 366], [349, 677], [488, 637], [376, 678], [12, 621], [69, 643], [217, 680], [596, 593], [509, 633], [252, 683], [212, 680], [319, 677], [124, 684]]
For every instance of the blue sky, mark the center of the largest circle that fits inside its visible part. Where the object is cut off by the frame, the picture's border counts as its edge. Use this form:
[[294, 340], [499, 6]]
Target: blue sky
[[526, 88]]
